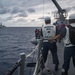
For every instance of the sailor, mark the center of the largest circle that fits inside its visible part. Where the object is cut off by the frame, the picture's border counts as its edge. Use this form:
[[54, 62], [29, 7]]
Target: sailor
[[69, 43], [59, 25], [37, 33], [49, 31], [68, 35]]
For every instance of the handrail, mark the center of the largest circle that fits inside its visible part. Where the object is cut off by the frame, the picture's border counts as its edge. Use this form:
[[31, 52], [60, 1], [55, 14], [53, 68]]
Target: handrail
[[20, 63], [40, 63], [32, 52]]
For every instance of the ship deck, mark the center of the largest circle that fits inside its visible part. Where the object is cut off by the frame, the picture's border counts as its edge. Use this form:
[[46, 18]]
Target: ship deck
[[50, 65]]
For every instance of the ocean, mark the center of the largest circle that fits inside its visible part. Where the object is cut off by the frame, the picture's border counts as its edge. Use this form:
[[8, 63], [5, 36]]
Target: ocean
[[13, 41]]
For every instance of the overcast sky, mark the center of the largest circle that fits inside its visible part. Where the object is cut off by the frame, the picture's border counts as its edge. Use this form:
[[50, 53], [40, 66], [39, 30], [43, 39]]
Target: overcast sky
[[25, 13]]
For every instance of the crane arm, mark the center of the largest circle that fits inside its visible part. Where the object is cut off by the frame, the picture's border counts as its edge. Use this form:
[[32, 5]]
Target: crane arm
[[57, 5]]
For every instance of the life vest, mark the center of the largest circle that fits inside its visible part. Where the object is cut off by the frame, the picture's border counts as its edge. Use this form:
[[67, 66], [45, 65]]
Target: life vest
[[48, 31], [66, 39]]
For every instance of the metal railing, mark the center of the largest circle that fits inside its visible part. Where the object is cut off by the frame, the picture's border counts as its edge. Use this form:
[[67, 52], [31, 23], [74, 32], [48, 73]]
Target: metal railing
[[20, 63], [40, 63]]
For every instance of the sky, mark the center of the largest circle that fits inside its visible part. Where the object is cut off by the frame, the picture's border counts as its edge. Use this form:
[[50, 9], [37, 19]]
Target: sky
[[30, 13]]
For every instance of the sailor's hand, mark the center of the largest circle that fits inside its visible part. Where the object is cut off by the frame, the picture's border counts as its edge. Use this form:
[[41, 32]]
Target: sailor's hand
[[50, 40]]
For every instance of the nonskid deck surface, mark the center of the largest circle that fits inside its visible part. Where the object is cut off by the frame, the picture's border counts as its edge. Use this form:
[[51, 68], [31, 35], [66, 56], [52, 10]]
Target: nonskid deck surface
[[50, 66]]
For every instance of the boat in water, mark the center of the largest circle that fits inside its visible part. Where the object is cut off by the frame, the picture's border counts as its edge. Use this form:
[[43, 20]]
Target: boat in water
[[1, 25]]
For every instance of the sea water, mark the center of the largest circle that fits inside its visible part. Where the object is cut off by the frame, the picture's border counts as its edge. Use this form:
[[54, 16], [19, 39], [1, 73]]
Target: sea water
[[13, 41]]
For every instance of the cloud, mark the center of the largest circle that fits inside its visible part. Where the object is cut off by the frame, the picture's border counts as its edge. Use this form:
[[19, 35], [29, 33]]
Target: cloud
[[31, 10], [1, 20], [71, 8], [16, 10], [21, 20], [41, 18], [22, 15], [32, 20], [4, 10], [9, 18], [32, 3]]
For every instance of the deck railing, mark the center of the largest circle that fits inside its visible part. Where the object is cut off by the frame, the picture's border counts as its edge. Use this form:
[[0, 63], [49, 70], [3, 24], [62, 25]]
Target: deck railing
[[21, 63], [40, 63]]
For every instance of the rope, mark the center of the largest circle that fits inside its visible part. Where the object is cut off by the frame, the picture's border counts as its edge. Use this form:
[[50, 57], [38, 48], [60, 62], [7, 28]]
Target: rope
[[32, 52], [43, 11], [43, 8], [40, 63], [17, 64]]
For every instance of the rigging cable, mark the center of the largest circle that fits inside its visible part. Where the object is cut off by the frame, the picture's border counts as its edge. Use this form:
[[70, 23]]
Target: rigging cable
[[43, 11]]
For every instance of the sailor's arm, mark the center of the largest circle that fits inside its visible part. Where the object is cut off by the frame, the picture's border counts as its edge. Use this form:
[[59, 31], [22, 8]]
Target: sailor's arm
[[54, 38], [59, 34]]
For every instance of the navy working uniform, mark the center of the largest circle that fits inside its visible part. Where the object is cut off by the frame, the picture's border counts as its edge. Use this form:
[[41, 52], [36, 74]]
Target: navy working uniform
[[48, 31], [69, 50]]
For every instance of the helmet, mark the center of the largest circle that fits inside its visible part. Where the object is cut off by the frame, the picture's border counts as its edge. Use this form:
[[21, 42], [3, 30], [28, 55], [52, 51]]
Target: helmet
[[72, 16], [72, 19], [47, 19]]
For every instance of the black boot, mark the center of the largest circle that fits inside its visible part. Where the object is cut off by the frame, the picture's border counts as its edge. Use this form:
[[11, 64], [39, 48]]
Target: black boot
[[56, 67], [65, 73]]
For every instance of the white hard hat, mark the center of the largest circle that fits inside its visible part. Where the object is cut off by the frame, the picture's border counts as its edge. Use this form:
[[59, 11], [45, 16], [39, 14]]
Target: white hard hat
[[47, 18], [72, 20], [72, 16]]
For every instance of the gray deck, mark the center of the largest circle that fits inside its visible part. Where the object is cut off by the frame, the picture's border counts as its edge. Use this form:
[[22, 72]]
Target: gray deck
[[50, 65]]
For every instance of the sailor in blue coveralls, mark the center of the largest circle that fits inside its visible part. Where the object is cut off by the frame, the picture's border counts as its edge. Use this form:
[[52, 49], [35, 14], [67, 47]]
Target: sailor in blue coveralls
[[48, 31]]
